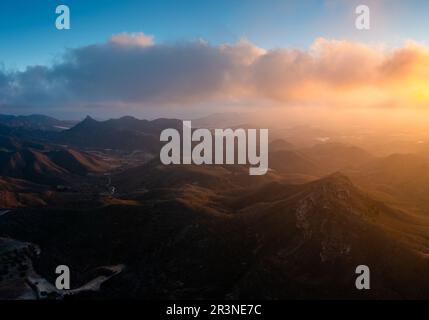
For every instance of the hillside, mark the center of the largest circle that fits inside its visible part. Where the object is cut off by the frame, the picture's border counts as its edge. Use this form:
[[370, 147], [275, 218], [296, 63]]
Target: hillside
[[44, 163], [126, 134], [16, 193], [403, 176], [337, 156], [35, 122], [271, 241], [310, 240]]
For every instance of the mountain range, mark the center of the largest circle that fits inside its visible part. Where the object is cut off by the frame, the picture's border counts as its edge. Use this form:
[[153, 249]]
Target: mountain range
[[36, 121], [95, 197]]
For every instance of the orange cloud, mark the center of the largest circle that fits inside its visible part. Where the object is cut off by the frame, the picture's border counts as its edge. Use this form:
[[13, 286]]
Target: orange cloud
[[135, 39], [344, 73], [131, 69]]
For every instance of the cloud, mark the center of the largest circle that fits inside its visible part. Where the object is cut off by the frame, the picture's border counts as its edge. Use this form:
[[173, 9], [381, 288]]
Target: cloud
[[131, 69], [327, 70], [133, 39], [343, 73]]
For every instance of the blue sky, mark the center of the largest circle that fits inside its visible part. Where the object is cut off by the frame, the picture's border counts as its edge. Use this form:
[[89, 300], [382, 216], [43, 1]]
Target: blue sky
[[176, 73], [28, 35]]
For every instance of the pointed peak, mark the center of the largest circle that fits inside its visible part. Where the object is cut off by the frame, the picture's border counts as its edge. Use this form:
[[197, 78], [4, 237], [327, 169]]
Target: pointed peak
[[88, 122], [89, 118]]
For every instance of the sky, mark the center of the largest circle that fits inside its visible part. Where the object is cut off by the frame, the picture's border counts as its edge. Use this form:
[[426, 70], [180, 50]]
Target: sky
[[171, 57]]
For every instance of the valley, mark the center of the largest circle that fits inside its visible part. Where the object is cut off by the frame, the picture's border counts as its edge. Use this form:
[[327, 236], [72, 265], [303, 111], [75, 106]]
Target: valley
[[209, 232]]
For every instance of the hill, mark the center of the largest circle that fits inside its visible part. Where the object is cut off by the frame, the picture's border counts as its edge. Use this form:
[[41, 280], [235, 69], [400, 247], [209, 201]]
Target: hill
[[403, 176], [337, 156], [35, 122], [126, 134], [21, 193], [310, 239], [272, 240], [44, 163]]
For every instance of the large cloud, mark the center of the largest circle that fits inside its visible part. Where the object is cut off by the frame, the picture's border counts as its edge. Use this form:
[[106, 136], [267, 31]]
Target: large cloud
[[130, 69]]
